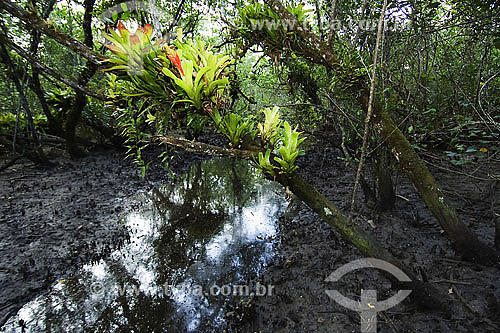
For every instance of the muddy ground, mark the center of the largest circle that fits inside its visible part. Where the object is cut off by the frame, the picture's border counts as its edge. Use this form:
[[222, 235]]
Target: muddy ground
[[52, 220]]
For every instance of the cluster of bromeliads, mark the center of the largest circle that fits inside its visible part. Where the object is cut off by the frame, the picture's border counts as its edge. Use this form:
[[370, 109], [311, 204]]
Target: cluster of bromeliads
[[184, 84]]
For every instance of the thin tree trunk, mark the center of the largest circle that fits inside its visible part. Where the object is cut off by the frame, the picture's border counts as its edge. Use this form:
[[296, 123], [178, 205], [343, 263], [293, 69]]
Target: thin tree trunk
[[24, 101], [424, 293], [415, 169], [369, 111], [80, 100]]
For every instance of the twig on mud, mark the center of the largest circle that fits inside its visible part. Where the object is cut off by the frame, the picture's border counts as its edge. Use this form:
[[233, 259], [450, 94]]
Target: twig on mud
[[457, 172], [10, 163], [403, 198], [454, 193], [454, 282], [454, 261]]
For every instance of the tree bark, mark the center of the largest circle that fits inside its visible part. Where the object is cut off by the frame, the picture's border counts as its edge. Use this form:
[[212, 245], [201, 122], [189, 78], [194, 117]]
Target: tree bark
[[32, 20], [415, 169], [423, 293], [80, 100]]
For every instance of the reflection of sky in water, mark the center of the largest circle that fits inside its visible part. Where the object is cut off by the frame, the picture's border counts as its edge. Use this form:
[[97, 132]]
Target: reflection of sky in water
[[220, 236]]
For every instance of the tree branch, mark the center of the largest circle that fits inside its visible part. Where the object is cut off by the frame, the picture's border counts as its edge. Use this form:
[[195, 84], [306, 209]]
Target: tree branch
[[369, 112], [32, 20], [424, 293], [199, 147], [46, 71]]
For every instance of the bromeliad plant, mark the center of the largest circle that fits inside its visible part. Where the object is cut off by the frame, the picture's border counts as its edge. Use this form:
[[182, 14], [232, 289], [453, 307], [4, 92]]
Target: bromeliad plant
[[269, 130], [282, 143], [290, 149], [208, 70], [264, 163], [234, 127], [186, 73], [130, 48]]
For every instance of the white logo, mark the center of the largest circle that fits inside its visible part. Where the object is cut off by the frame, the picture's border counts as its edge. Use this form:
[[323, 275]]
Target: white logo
[[368, 306]]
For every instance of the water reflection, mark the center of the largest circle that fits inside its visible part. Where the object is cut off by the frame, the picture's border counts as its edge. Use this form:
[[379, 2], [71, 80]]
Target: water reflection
[[213, 227]]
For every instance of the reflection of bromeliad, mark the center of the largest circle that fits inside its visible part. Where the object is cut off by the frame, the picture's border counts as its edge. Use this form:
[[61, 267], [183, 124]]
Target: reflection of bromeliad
[[368, 306]]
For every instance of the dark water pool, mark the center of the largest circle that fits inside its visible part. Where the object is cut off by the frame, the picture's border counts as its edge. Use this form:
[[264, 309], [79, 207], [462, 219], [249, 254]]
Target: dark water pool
[[197, 248]]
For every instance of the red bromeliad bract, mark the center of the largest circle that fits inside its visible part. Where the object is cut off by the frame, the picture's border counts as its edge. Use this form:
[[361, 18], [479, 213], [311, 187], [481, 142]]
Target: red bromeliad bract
[[174, 58]]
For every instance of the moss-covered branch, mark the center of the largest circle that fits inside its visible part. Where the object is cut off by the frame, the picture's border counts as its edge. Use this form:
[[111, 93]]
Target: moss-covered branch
[[424, 293], [415, 169], [425, 184]]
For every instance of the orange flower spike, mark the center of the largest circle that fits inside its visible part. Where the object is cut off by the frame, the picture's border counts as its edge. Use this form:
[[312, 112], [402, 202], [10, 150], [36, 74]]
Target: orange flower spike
[[174, 58]]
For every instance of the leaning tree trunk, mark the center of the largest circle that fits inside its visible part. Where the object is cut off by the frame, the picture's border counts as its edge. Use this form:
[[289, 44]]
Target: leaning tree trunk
[[423, 293], [415, 169], [425, 184]]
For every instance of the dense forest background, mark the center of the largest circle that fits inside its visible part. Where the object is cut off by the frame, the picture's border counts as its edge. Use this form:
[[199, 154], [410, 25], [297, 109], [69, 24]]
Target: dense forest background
[[396, 87], [437, 70]]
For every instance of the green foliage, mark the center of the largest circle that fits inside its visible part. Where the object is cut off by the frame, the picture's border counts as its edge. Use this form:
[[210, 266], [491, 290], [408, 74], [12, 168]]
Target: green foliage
[[472, 141], [234, 127], [258, 21], [60, 100], [281, 139], [290, 149], [8, 121], [264, 164], [269, 130]]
